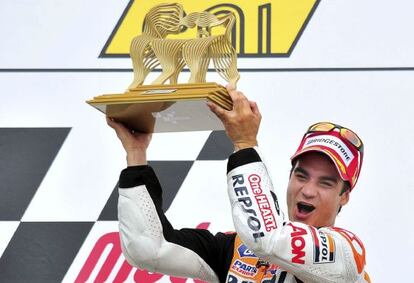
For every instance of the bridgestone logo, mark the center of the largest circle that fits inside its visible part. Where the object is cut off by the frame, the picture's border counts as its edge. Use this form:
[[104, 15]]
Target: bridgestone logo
[[334, 143]]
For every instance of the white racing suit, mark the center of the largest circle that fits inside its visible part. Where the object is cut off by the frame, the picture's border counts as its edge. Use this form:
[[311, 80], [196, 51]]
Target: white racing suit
[[278, 251]]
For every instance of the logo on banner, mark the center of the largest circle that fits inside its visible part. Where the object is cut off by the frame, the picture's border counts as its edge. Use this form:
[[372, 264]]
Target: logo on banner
[[111, 241], [263, 28]]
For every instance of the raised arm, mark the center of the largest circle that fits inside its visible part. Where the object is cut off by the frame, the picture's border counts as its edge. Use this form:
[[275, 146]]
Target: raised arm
[[311, 254], [148, 240]]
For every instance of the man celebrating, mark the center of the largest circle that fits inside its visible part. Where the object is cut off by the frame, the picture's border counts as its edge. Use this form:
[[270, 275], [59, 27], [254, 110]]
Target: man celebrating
[[267, 247]]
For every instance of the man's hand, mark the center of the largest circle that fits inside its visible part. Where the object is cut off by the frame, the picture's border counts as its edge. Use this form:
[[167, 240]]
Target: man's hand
[[242, 122], [134, 143]]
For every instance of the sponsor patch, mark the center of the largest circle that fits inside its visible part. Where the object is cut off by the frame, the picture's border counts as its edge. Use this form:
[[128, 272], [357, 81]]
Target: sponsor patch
[[334, 143], [244, 268], [245, 252], [271, 275], [324, 247], [298, 244], [263, 202], [234, 278], [246, 204]]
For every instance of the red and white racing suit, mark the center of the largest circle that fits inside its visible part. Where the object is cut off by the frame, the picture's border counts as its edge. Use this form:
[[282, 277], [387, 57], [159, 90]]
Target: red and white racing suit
[[278, 250]]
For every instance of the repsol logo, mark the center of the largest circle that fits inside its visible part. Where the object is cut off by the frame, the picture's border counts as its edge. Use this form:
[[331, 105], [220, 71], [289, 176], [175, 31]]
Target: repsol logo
[[326, 251], [263, 28], [298, 244], [246, 203], [263, 202]]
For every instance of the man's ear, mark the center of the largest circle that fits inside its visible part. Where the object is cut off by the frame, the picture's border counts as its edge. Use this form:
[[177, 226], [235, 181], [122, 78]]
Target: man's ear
[[344, 198]]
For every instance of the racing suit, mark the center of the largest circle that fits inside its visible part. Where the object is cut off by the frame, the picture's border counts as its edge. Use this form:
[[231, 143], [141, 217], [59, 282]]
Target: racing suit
[[266, 248]]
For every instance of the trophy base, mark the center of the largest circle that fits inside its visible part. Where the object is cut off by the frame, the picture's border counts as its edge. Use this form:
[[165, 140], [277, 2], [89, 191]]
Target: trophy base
[[166, 108]]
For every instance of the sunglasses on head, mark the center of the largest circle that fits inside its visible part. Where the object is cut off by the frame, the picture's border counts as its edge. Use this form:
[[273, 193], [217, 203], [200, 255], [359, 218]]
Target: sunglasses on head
[[345, 133]]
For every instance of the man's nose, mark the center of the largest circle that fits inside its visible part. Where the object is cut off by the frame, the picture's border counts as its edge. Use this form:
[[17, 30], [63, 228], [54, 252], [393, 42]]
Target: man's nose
[[309, 190]]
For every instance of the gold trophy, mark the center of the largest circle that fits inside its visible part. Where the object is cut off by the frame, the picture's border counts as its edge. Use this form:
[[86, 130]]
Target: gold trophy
[[173, 107]]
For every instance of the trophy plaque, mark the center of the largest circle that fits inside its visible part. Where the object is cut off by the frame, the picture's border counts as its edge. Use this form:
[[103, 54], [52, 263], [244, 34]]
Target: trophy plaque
[[173, 106]]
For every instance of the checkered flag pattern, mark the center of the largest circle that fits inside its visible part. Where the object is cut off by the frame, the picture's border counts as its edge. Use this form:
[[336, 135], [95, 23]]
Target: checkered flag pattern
[[68, 251]]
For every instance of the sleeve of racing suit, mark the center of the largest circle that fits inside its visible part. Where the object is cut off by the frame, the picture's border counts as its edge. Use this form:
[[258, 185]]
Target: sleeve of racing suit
[[149, 241], [311, 254]]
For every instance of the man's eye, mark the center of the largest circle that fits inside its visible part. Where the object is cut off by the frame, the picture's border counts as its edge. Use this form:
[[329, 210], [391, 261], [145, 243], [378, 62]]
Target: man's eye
[[327, 184], [300, 176]]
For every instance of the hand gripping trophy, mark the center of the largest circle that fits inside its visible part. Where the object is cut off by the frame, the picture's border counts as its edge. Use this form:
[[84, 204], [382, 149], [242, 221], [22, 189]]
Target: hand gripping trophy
[[173, 106]]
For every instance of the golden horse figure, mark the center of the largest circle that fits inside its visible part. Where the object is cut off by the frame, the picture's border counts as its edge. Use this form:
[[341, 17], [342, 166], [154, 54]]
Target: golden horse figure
[[198, 52], [160, 21]]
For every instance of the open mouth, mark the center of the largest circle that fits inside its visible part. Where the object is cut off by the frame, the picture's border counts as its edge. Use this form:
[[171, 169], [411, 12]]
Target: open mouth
[[305, 207]]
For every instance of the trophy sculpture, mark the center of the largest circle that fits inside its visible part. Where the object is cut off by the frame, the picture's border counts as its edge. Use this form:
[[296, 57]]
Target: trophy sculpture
[[161, 107]]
